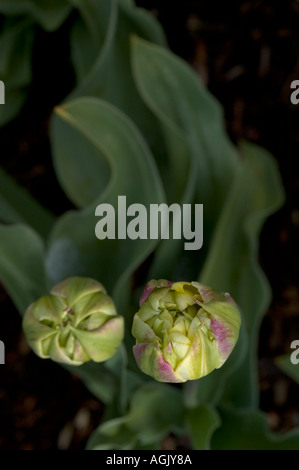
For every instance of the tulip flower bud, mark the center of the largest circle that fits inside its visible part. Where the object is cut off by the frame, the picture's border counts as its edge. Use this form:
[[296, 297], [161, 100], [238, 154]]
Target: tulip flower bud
[[183, 330], [76, 323]]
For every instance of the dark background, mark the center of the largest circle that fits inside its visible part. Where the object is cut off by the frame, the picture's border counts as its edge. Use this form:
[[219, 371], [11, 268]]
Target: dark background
[[247, 54]]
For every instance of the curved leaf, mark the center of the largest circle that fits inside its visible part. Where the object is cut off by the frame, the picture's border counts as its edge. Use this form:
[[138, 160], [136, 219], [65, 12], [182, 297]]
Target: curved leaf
[[50, 14], [91, 36], [232, 261], [15, 65], [160, 407], [287, 367], [18, 206], [155, 411], [247, 430], [22, 265], [202, 422], [108, 27], [112, 435], [97, 379], [133, 174], [183, 104], [200, 154]]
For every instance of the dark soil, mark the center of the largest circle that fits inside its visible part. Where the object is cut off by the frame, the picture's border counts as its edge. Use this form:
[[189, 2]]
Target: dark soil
[[247, 53]]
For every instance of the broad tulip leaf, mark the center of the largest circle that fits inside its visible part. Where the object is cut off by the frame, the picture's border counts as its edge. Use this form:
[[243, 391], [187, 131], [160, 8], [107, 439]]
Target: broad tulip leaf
[[92, 35], [155, 411], [202, 423], [74, 248], [290, 369], [177, 97], [232, 261], [82, 168], [156, 92], [113, 435], [247, 430], [160, 406], [50, 14], [14, 101], [22, 265], [97, 379], [200, 154], [15, 65], [127, 380], [18, 206], [108, 27], [105, 27]]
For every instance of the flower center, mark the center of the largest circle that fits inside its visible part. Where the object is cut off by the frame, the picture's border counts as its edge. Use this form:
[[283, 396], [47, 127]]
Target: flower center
[[177, 319]]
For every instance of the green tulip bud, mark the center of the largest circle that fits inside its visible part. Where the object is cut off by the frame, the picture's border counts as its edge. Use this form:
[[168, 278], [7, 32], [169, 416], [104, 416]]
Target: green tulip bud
[[76, 323], [183, 330]]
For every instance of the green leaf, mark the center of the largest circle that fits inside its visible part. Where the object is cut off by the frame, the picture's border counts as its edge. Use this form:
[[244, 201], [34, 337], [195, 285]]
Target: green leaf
[[105, 28], [109, 25], [91, 34], [22, 265], [156, 409], [15, 61], [82, 169], [18, 206], [14, 101], [50, 14], [154, 91], [84, 48], [232, 261], [290, 369], [16, 42], [97, 379], [182, 103], [158, 406], [202, 423], [127, 380], [112, 435], [201, 157], [74, 248], [247, 430]]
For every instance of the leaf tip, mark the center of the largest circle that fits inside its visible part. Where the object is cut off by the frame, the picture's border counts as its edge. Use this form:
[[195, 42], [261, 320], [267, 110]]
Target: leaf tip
[[60, 110]]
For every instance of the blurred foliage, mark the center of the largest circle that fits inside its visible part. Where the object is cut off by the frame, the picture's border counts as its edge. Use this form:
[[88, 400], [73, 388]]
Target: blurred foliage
[[289, 368], [140, 123]]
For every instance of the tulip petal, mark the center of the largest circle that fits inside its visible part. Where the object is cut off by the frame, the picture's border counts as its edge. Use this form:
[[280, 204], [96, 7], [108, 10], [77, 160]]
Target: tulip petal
[[102, 343], [75, 288], [225, 323], [202, 358], [151, 362], [150, 286]]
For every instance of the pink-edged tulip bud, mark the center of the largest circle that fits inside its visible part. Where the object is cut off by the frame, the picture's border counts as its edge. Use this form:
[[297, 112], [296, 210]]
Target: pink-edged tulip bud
[[183, 330], [76, 323]]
